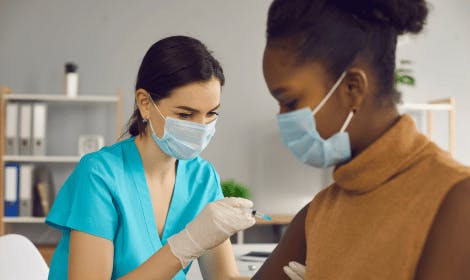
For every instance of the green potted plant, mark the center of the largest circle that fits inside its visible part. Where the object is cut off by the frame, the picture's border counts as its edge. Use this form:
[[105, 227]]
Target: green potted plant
[[404, 74], [232, 188]]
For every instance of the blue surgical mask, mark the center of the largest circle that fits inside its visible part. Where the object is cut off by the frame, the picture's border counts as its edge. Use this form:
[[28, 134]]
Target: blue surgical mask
[[183, 139], [300, 135]]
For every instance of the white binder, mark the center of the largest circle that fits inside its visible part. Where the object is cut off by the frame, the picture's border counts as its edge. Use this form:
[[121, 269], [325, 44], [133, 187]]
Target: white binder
[[39, 129], [11, 129], [26, 190], [25, 129], [11, 183]]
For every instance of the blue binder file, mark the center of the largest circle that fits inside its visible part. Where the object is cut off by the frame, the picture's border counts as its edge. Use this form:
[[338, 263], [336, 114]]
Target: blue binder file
[[12, 178]]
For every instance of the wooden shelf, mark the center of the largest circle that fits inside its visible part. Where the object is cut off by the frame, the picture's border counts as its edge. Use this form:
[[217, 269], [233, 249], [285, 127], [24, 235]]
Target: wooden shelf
[[276, 220], [61, 98], [24, 220], [445, 105], [426, 107], [42, 159]]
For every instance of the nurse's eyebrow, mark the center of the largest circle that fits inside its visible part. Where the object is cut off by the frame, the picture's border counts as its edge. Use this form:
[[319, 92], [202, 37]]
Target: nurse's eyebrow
[[195, 110], [188, 109], [215, 108]]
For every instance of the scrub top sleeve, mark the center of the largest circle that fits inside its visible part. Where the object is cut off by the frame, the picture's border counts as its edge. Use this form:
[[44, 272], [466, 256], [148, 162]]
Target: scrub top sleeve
[[217, 188], [85, 202]]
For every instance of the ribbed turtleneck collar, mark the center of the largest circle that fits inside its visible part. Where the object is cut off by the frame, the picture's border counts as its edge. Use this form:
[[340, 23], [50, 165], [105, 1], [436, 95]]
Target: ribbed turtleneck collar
[[387, 156]]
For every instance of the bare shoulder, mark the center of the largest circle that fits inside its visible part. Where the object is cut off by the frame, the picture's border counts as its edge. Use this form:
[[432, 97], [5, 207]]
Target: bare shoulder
[[447, 249]]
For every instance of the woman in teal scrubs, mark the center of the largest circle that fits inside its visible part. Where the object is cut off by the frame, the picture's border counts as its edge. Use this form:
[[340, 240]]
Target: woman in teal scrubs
[[145, 207]]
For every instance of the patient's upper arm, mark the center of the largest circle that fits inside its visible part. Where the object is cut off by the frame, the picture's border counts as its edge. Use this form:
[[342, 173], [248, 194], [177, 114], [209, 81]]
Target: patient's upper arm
[[292, 247], [446, 254]]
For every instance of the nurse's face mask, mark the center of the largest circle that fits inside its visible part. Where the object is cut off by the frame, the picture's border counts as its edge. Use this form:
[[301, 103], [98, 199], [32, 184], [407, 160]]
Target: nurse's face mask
[[299, 134], [183, 139]]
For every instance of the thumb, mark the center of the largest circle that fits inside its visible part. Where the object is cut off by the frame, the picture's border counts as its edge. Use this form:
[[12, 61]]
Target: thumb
[[298, 268], [291, 273]]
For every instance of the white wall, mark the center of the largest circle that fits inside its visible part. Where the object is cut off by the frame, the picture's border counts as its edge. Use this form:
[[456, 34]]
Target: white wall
[[108, 39], [441, 64]]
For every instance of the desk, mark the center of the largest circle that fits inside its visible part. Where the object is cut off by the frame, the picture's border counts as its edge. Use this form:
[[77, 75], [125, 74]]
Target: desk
[[246, 268], [277, 221]]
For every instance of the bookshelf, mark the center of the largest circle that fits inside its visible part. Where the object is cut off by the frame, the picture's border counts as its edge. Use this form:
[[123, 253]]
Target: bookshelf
[[42, 159], [443, 105], [8, 96], [22, 220], [62, 98]]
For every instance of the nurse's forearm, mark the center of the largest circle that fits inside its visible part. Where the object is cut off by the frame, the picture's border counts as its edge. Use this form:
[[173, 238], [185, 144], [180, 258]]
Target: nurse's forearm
[[162, 265]]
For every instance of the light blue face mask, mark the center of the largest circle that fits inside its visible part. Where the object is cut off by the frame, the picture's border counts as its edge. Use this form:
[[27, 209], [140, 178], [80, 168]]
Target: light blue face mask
[[299, 134], [183, 139]]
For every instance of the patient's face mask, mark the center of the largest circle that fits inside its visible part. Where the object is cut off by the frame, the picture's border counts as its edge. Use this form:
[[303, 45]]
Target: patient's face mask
[[299, 134], [183, 139]]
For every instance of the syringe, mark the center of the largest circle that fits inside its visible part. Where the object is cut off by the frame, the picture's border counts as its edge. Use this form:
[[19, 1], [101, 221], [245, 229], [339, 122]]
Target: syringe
[[261, 215]]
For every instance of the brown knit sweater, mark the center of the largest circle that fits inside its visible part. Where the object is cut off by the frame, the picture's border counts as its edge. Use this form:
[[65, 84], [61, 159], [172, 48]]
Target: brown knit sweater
[[372, 223]]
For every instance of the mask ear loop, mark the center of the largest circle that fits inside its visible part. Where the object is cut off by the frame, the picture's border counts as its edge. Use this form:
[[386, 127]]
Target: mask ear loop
[[149, 121], [348, 120], [333, 89], [156, 107]]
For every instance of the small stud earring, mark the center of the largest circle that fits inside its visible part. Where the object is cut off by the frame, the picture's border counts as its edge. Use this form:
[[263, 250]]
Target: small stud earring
[[144, 121]]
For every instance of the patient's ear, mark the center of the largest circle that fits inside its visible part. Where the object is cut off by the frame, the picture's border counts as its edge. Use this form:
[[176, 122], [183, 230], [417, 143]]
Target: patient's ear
[[142, 100], [356, 87]]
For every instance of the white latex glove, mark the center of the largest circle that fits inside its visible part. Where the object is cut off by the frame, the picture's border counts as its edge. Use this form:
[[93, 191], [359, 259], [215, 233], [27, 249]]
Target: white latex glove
[[295, 271], [217, 221]]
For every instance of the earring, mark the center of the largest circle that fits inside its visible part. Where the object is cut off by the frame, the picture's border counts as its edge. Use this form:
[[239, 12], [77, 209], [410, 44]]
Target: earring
[[144, 121]]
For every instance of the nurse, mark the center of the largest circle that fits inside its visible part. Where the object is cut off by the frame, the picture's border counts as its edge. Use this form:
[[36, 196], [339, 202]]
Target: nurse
[[399, 205], [147, 206]]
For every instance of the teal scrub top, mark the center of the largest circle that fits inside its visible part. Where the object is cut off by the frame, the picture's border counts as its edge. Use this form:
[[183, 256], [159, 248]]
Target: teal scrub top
[[107, 196]]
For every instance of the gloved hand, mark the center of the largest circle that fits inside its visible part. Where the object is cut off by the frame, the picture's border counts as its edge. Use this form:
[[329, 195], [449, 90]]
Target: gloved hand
[[295, 271], [216, 222]]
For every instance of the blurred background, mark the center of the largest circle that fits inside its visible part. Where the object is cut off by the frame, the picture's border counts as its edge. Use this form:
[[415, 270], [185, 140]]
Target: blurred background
[[107, 40]]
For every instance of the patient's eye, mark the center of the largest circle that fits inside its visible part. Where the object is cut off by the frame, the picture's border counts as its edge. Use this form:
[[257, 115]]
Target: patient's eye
[[291, 105]]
